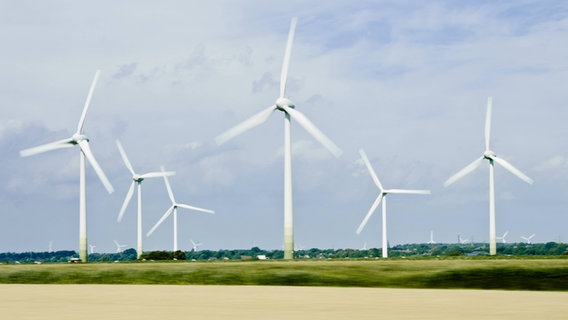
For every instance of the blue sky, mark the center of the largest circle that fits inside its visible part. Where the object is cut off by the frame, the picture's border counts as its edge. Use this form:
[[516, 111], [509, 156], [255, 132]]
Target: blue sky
[[405, 80]]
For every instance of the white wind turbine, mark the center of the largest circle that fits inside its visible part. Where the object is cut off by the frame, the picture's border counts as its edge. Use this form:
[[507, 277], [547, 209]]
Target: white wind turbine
[[195, 245], [92, 248], [491, 157], [529, 238], [78, 138], [285, 105], [502, 238], [431, 241], [136, 181], [382, 196], [119, 246], [173, 208]]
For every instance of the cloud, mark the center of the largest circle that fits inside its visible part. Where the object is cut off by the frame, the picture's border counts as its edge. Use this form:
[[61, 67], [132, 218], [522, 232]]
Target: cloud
[[125, 70], [552, 164]]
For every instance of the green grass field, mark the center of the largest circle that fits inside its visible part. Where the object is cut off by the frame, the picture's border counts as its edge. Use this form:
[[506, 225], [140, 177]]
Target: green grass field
[[489, 273]]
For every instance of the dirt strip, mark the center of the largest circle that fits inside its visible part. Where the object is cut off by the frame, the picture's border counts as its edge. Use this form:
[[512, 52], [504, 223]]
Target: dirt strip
[[264, 302]]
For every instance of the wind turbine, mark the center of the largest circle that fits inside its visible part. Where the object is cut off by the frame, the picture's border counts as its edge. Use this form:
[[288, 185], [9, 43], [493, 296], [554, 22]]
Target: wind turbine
[[382, 196], [119, 246], [431, 241], [528, 239], [173, 208], [288, 108], [502, 238], [78, 138], [136, 181], [195, 244], [461, 240], [92, 248], [492, 158]]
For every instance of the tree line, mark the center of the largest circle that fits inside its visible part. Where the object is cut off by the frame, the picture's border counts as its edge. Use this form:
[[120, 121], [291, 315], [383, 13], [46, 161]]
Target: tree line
[[255, 253]]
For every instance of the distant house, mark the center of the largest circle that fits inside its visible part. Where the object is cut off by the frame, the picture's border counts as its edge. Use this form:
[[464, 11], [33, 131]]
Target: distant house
[[262, 257], [246, 258]]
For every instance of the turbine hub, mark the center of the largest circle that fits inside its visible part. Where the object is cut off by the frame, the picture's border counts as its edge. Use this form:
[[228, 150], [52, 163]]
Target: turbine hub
[[77, 137], [489, 154], [284, 102], [137, 178]]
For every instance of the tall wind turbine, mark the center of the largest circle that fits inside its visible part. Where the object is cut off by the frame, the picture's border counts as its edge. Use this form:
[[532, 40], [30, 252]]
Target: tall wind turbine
[[382, 196], [136, 181], [173, 208], [489, 155], [78, 138], [285, 105]]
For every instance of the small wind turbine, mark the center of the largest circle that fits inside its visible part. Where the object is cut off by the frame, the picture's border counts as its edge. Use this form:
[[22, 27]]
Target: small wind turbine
[[136, 180], [195, 244], [382, 196], [528, 239], [461, 240], [431, 241], [285, 105], [50, 246], [173, 208], [491, 157], [119, 246], [502, 238], [78, 138], [92, 248]]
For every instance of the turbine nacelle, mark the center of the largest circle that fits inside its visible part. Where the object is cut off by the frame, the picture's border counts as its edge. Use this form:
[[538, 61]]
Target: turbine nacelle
[[282, 103], [489, 155], [137, 178], [78, 137]]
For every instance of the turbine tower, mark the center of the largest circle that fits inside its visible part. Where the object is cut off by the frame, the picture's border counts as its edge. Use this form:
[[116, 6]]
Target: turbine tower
[[492, 158], [288, 108], [431, 241], [136, 181], [382, 196], [173, 208], [78, 138]]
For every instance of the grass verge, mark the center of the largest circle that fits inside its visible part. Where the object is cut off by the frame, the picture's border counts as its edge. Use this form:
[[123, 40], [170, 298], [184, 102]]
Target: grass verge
[[508, 274]]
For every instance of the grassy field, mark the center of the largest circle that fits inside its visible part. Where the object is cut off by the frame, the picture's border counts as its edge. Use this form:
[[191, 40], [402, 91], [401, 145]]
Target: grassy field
[[508, 274]]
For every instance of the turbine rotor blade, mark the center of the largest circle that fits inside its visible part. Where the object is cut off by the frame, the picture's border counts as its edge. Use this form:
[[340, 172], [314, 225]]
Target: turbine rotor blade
[[167, 214], [124, 157], [158, 174], [65, 143], [407, 191], [463, 172], [314, 131], [129, 195], [170, 193], [488, 122], [181, 205], [286, 62], [370, 168], [86, 107], [512, 169], [86, 149], [245, 125], [370, 213]]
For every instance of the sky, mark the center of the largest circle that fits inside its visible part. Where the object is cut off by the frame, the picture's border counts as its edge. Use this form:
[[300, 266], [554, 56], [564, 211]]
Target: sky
[[407, 81]]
